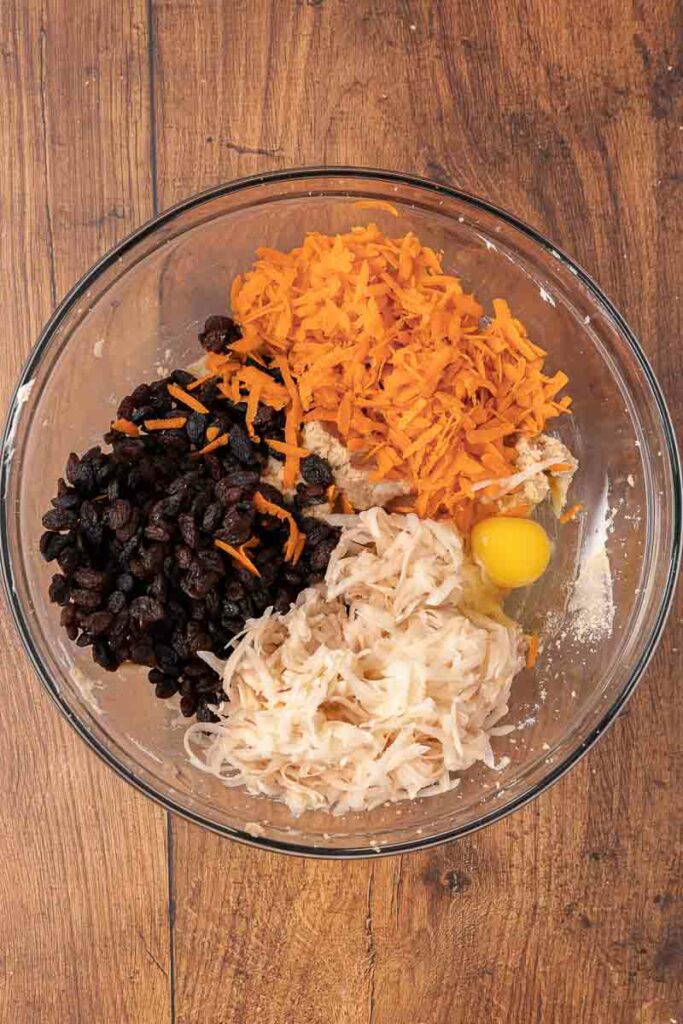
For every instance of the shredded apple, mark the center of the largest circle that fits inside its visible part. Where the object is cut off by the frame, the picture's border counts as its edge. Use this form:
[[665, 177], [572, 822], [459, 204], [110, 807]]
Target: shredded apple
[[372, 338]]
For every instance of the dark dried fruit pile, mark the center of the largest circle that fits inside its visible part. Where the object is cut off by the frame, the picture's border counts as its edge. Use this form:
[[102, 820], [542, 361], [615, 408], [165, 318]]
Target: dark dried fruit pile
[[134, 531]]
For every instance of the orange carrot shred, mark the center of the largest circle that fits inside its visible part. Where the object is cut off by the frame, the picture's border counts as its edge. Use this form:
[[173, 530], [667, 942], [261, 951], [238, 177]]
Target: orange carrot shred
[[238, 555], [331, 495], [298, 548], [212, 433], [180, 395], [346, 506], [172, 423], [560, 467], [200, 380], [287, 449], [270, 508], [570, 515], [376, 204], [218, 442], [532, 651], [124, 426]]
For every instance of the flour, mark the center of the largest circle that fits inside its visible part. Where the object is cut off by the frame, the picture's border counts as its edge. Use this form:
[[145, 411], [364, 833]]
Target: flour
[[592, 602]]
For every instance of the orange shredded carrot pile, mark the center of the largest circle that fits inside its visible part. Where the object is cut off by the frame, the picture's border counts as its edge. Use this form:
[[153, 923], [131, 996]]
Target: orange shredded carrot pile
[[373, 338], [125, 427], [570, 515], [238, 554], [218, 442], [270, 508], [180, 395], [172, 423], [532, 651]]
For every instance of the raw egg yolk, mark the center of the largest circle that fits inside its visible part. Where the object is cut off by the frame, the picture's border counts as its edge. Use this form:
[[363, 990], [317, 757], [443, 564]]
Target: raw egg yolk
[[513, 552]]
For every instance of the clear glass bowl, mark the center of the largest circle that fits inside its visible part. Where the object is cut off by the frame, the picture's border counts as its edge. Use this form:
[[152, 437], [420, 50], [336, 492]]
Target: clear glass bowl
[[137, 313]]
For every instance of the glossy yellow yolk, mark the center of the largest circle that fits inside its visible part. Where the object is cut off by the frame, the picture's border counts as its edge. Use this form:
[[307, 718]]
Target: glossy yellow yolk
[[513, 552]]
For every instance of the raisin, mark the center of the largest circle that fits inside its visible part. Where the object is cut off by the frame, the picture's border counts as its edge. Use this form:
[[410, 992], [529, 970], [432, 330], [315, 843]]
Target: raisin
[[240, 446], [315, 470], [104, 656], [86, 598], [99, 622], [236, 526], [59, 589], [51, 544], [218, 333], [90, 579], [272, 494], [146, 609], [188, 529], [72, 464], [119, 513], [68, 558], [196, 428], [212, 517], [188, 705], [166, 687], [116, 601], [310, 494], [60, 519], [125, 583]]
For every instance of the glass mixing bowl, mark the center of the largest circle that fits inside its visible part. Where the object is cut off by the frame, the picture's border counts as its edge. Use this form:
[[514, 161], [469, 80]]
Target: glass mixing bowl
[[136, 314]]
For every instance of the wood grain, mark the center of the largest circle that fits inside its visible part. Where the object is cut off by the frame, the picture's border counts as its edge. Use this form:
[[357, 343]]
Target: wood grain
[[568, 911], [83, 880]]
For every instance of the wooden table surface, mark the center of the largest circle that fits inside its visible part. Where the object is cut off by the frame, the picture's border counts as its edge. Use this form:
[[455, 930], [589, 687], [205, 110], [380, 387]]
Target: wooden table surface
[[567, 112]]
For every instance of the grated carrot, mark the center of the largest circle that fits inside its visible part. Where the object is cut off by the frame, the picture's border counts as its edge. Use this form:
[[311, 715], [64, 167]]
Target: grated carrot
[[331, 495], [218, 442], [238, 555], [201, 380], [270, 508], [346, 506], [560, 467], [123, 426], [376, 204], [570, 515], [180, 395], [172, 423], [372, 336], [298, 548], [287, 449], [532, 651], [212, 433]]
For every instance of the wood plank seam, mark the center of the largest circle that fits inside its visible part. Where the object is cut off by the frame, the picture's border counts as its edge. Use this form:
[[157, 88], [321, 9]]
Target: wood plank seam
[[149, 9]]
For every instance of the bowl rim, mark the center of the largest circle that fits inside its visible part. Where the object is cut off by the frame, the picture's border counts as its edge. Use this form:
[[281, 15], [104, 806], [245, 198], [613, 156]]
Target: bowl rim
[[370, 175]]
